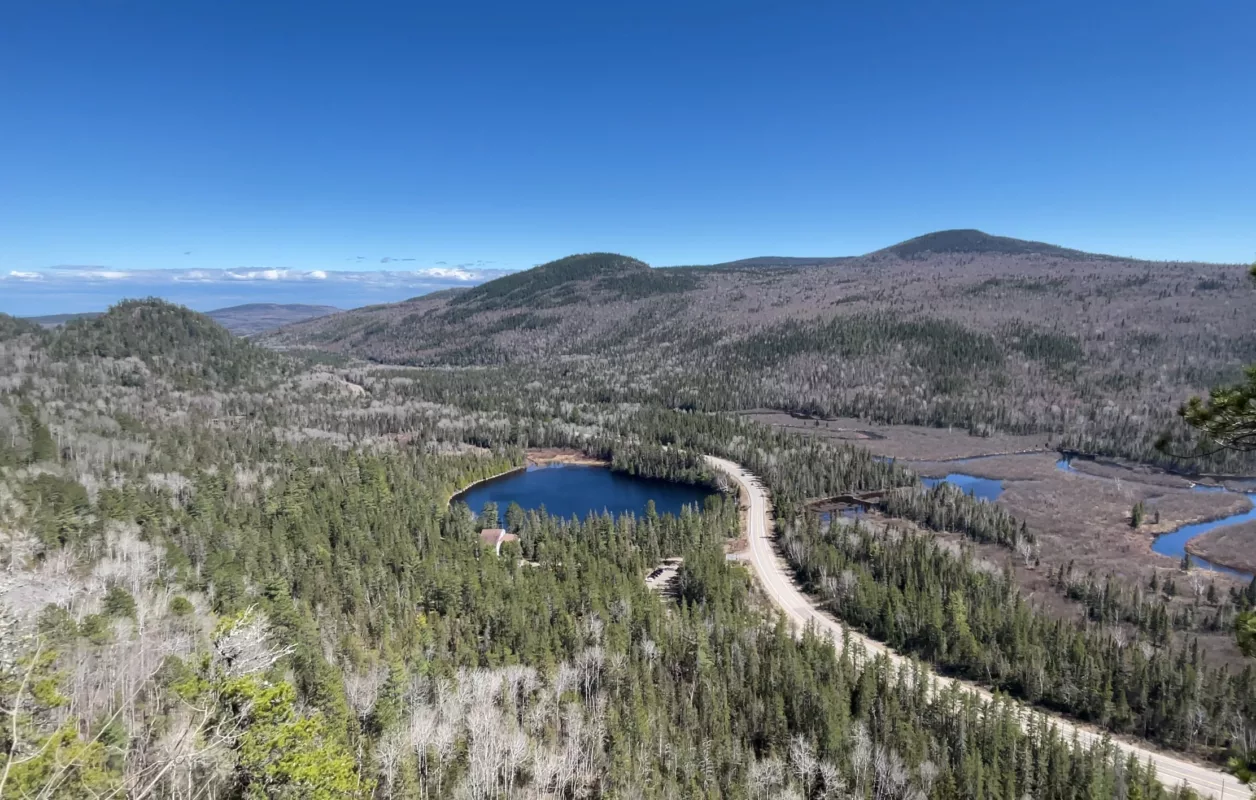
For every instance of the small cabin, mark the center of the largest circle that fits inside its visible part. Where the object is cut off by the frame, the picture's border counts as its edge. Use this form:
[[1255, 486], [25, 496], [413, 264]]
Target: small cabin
[[495, 537]]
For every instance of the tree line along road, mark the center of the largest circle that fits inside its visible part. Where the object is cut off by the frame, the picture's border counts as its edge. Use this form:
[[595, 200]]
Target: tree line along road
[[776, 578]]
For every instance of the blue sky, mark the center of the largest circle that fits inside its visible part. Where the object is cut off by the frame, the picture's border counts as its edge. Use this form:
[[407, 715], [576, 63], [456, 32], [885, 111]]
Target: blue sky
[[317, 137]]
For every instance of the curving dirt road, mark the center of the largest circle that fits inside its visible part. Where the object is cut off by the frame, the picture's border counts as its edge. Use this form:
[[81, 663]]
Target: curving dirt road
[[777, 580]]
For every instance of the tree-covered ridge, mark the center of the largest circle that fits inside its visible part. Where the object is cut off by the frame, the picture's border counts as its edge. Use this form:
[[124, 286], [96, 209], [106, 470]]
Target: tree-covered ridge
[[551, 283], [12, 327], [949, 354], [771, 262], [955, 241], [173, 342], [1094, 352], [974, 241]]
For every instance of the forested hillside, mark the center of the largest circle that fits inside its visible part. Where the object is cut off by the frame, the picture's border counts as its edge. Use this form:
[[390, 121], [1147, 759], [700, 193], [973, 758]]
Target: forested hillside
[[974, 241], [147, 339], [956, 328], [11, 327], [229, 573]]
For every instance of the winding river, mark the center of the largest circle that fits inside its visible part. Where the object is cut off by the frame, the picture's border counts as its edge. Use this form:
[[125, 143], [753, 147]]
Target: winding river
[[1172, 544]]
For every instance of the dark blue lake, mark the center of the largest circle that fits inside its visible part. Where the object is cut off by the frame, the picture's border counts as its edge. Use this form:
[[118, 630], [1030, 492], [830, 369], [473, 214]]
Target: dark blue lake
[[567, 489]]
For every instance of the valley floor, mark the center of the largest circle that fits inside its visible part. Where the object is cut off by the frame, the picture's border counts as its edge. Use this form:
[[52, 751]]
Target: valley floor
[[1234, 545], [1079, 516], [775, 576]]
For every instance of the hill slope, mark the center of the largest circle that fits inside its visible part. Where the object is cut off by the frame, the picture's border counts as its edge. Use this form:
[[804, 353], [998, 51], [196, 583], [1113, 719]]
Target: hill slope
[[955, 328], [949, 242], [777, 262], [174, 343], [251, 318], [11, 327], [557, 283], [975, 241]]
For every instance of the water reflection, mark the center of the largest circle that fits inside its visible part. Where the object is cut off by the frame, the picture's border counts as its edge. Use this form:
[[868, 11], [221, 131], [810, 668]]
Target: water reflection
[[565, 490], [982, 488]]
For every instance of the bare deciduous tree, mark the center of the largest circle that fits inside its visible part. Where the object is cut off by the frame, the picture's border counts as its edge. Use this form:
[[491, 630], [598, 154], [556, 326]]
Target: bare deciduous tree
[[246, 646], [389, 753]]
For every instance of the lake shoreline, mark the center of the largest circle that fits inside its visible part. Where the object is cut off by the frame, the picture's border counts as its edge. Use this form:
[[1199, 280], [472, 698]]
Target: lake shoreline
[[474, 484], [1074, 519], [567, 484], [537, 457], [545, 456]]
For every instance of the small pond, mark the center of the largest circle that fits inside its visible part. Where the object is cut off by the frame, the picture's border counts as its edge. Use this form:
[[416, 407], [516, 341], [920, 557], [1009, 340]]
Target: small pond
[[568, 489], [981, 488], [850, 512]]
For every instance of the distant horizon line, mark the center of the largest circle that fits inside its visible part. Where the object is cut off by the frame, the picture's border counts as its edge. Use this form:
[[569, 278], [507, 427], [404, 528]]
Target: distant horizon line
[[68, 289], [472, 272]]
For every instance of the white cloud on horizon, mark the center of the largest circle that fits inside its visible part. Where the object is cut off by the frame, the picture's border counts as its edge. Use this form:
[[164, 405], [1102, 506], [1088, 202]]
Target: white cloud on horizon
[[424, 278]]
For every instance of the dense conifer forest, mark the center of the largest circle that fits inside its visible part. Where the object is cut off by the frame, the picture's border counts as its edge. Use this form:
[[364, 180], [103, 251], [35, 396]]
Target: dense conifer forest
[[234, 573]]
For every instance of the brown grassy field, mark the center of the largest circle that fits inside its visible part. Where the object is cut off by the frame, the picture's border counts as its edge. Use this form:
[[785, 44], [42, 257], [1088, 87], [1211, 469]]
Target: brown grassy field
[[1080, 517], [1085, 518], [907, 442]]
